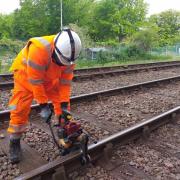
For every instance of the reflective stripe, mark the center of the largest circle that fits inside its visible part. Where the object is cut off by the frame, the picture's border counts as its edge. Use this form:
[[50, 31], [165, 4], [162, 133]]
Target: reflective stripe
[[68, 70], [36, 66], [17, 128], [12, 107], [31, 63], [47, 66], [24, 61], [36, 81], [65, 81], [45, 43]]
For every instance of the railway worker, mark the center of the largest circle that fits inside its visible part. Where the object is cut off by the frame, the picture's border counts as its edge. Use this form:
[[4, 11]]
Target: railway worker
[[43, 70]]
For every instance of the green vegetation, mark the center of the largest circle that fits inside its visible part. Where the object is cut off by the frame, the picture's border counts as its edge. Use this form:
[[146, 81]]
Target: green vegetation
[[105, 59], [120, 26], [106, 21], [7, 45], [168, 25], [96, 63], [8, 50]]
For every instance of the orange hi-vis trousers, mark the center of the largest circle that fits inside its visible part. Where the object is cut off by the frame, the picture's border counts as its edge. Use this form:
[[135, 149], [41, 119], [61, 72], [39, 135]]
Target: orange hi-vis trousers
[[20, 102]]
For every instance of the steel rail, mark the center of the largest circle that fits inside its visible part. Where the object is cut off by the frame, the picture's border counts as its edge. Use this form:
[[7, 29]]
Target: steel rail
[[126, 66], [100, 74], [112, 67], [127, 71], [6, 85], [4, 115], [123, 136]]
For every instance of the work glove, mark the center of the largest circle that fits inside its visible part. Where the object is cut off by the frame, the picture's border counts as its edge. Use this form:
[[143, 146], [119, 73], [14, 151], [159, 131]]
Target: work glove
[[66, 115], [45, 113]]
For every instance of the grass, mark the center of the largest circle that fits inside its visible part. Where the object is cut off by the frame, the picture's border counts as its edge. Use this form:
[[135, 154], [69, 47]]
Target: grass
[[94, 63]]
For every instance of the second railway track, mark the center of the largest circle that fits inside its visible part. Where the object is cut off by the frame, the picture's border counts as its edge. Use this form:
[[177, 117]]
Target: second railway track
[[101, 114], [6, 79], [97, 82]]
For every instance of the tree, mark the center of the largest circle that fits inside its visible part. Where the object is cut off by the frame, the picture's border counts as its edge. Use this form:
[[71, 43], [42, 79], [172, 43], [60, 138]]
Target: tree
[[77, 12], [116, 19], [42, 17], [30, 20], [5, 26], [83, 34], [145, 39], [168, 23], [74, 12]]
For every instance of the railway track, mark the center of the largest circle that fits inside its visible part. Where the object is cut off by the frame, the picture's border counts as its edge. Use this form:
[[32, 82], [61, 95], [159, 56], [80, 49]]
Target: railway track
[[105, 81], [119, 157], [154, 155], [105, 114], [6, 79]]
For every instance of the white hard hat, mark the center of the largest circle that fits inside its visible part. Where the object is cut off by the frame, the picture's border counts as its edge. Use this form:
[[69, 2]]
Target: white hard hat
[[67, 47]]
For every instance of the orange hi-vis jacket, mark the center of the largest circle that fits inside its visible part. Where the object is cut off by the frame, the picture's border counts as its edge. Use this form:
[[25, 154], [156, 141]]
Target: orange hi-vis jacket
[[37, 77]]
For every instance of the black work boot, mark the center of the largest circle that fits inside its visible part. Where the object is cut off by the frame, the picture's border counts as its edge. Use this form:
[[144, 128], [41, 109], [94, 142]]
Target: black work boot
[[15, 150]]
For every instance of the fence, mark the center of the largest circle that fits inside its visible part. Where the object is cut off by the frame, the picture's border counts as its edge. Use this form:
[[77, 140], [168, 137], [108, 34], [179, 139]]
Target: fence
[[125, 55], [167, 50], [126, 52]]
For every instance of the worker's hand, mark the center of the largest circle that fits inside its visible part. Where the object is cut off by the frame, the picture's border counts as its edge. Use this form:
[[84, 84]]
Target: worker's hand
[[65, 117], [66, 114], [45, 113]]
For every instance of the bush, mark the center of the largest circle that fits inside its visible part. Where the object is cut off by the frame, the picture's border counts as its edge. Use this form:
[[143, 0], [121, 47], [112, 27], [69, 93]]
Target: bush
[[134, 51], [103, 57], [13, 46]]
